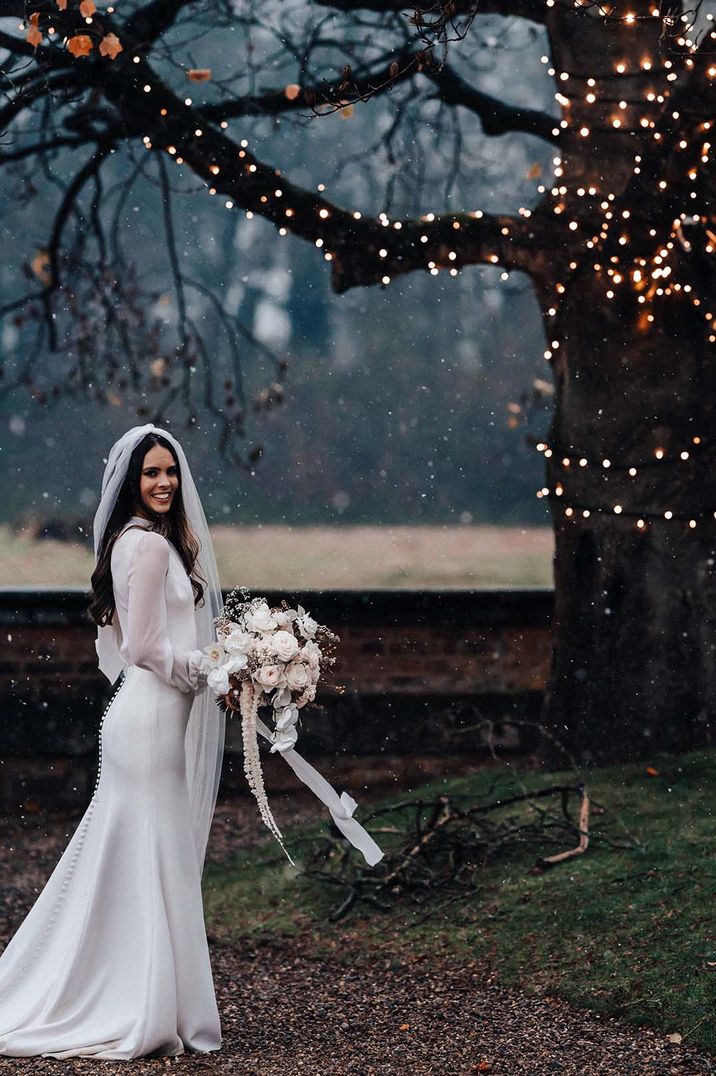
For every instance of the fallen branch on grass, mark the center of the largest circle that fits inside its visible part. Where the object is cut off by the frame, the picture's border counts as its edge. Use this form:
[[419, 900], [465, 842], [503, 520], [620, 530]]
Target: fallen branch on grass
[[439, 846]]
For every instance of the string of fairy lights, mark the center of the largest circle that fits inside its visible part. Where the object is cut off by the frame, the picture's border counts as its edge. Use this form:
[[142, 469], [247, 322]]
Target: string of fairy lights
[[571, 462]]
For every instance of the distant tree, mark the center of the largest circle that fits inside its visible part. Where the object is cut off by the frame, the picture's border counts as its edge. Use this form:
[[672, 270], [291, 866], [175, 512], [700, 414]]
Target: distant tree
[[620, 251]]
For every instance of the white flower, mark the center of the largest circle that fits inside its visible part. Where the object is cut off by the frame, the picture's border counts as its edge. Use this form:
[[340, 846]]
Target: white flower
[[236, 663], [218, 681], [284, 645], [284, 740], [297, 676], [308, 695], [288, 717], [312, 653], [260, 619], [306, 624], [315, 674], [269, 677], [262, 650], [283, 620], [282, 698], [215, 655], [239, 642]]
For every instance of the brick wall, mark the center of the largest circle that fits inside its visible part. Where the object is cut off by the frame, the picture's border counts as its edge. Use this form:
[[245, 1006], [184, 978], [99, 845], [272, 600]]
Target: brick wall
[[416, 668]]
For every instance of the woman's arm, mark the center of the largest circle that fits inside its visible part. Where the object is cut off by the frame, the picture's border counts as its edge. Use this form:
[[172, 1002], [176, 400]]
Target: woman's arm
[[148, 642]]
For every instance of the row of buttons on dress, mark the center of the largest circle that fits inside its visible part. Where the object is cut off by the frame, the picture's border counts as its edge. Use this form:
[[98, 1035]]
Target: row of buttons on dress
[[79, 836]]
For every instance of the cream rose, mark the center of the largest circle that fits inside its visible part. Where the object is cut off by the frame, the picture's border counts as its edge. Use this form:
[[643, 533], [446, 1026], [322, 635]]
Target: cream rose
[[284, 645], [297, 676], [269, 677]]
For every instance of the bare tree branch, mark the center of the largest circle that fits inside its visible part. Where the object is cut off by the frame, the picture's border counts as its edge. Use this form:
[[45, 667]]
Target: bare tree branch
[[497, 118]]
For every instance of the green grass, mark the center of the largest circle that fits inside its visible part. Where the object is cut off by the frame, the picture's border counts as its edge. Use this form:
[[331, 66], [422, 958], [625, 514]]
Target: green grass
[[627, 932]]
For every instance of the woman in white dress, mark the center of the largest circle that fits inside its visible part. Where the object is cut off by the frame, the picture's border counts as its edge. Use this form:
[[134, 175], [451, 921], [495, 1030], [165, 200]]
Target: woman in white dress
[[112, 961]]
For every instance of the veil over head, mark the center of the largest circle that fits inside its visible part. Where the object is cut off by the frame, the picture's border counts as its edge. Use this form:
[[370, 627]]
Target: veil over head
[[205, 730]]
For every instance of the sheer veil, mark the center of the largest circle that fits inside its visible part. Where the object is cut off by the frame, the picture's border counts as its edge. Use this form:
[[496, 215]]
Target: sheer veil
[[205, 731]]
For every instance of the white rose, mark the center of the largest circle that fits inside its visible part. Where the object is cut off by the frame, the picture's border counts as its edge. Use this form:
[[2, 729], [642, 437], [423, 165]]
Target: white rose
[[239, 642], [260, 619], [297, 676], [284, 645], [283, 620], [218, 681], [269, 677], [315, 674]]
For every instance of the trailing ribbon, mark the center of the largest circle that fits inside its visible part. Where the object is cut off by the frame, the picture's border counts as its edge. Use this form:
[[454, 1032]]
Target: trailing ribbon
[[341, 807]]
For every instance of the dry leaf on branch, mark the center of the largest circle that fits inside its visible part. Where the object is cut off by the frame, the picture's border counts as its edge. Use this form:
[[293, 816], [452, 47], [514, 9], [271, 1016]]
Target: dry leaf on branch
[[40, 266], [87, 8], [110, 45], [79, 45], [199, 74], [34, 34], [535, 171], [62, 4], [292, 91]]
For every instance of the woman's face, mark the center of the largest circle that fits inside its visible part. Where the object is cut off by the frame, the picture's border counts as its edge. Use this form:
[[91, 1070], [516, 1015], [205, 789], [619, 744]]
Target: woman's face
[[158, 482]]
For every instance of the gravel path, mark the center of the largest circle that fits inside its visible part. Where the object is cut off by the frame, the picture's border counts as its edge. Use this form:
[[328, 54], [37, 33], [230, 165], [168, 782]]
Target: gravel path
[[358, 1013]]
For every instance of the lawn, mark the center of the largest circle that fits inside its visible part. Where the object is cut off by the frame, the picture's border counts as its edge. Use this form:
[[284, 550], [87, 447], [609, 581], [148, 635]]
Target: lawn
[[307, 558], [625, 931]]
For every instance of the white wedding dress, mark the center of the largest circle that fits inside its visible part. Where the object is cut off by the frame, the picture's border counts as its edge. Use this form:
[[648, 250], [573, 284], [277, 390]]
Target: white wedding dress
[[112, 960]]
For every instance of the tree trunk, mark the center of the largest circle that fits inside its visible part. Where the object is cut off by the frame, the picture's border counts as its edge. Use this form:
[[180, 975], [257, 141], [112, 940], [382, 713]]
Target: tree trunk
[[635, 616]]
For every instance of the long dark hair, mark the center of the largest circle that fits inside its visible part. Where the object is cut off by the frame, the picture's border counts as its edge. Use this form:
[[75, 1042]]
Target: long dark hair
[[173, 525]]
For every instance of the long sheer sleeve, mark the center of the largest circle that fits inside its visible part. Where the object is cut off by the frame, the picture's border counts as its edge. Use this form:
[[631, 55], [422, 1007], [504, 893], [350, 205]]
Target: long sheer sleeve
[[148, 643]]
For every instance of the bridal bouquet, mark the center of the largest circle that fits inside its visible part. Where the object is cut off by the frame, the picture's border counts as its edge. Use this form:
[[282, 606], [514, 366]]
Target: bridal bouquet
[[266, 657]]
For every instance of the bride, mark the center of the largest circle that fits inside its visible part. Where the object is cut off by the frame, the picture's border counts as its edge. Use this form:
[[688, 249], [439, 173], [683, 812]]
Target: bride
[[112, 960]]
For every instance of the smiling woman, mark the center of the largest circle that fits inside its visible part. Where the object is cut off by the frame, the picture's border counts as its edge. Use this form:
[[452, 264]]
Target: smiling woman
[[158, 482]]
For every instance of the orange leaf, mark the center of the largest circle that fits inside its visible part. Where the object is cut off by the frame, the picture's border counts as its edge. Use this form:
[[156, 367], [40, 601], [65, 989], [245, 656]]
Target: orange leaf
[[405, 1027], [79, 45], [40, 266], [199, 74], [87, 8], [652, 772], [111, 46], [62, 4], [292, 91], [535, 171], [34, 34]]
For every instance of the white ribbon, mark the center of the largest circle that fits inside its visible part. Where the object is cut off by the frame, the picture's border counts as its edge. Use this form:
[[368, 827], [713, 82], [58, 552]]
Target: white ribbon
[[341, 807]]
